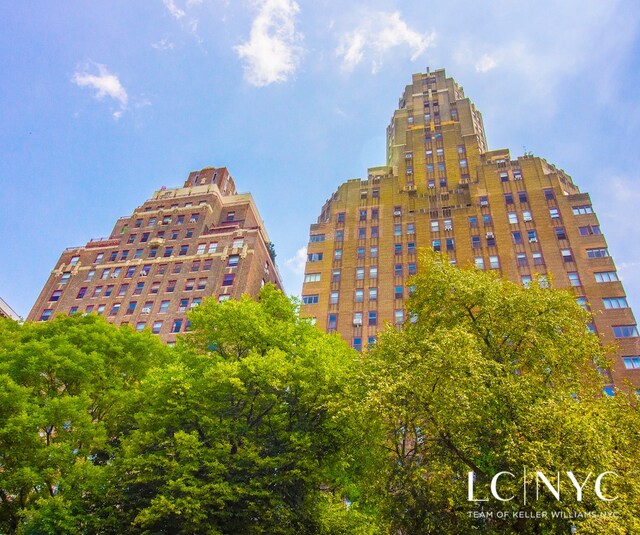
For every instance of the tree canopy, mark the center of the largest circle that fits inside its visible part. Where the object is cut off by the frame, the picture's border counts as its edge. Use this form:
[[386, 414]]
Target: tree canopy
[[259, 423]]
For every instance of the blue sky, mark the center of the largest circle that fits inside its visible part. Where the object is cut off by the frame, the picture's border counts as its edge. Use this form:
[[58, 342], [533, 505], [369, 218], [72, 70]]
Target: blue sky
[[101, 103]]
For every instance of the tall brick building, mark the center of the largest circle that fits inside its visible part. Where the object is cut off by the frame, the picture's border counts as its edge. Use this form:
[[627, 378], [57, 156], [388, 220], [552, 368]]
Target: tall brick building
[[180, 246], [443, 189]]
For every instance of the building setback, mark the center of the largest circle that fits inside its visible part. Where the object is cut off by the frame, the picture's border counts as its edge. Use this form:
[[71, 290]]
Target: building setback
[[442, 189], [6, 311], [182, 245]]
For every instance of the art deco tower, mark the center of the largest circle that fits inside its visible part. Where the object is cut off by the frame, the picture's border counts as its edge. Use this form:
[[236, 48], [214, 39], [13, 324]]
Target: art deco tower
[[443, 189], [180, 246]]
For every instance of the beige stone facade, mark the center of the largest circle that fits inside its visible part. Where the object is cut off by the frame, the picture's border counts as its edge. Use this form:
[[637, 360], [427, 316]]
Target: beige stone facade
[[442, 189], [179, 247]]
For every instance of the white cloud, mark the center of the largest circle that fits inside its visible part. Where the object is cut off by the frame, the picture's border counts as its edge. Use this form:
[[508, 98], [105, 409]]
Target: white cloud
[[163, 44], [297, 262], [273, 52], [105, 84], [486, 63], [175, 11], [377, 33]]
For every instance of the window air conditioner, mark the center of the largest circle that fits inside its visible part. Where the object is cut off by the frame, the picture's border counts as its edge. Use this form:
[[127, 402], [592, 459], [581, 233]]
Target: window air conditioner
[[448, 227], [192, 220], [357, 323], [144, 273], [146, 310], [526, 219], [484, 203], [490, 235], [194, 305], [114, 276], [533, 240]]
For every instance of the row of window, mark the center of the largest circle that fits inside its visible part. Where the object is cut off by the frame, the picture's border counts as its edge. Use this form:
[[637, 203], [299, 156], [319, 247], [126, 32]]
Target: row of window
[[167, 220], [398, 271], [398, 293]]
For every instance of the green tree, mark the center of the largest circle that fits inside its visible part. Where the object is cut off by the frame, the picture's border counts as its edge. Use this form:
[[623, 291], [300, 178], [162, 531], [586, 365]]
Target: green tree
[[489, 376], [245, 431], [68, 390]]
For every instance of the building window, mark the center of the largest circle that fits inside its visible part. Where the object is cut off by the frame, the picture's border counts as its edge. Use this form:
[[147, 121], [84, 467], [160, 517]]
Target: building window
[[486, 220], [479, 262], [567, 256], [168, 251], [310, 299], [233, 260], [164, 307], [526, 216], [113, 256], [189, 285], [513, 218], [152, 222], [373, 252], [548, 194], [411, 228], [373, 294], [316, 238], [632, 363], [312, 277], [177, 325], [171, 286], [397, 270], [195, 265], [373, 317], [435, 244], [362, 233], [508, 198], [145, 237], [435, 226], [357, 344], [504, 176], [412, 269], [398, 292], [340, 217], [333, 298], [411, 248], [522, 197], [517, 237], [532, 236], [537, 259], [625, 331], [314, 257], [201, 248], [494, 262], [332, 321], [590, 230], [183, 250], [360, 273], [398, 316], [138, 289], [337, 255], [615, 302], [55, 296], [574, 278], [606, 276], [81, 292], [357, 319], [560, 233], [202, 283], [227, 280], [131, 308], [473, 222], [114, 309], [450, 244], [155, 287], [363, 215], [600, 252], [157, 325], [526, 281], [335, 276], [374, 232], [130, 271], [475, 242], [359, 296], [522, 259], [397, 249], [582, 210]]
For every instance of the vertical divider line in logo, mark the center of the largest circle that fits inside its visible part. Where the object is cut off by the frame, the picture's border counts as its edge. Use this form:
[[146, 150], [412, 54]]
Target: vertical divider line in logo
[[524, 481]]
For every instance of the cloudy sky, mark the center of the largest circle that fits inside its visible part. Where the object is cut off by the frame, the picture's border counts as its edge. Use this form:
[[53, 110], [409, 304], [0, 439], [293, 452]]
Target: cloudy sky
[[101, 103]]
